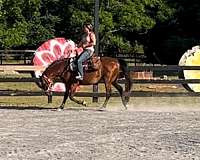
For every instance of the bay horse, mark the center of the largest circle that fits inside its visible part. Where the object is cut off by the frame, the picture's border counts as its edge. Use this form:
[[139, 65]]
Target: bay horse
[[108, 71]]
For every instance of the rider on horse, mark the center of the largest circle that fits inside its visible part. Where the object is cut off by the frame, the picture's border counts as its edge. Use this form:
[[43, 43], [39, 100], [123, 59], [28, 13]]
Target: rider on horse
[[88, 41]]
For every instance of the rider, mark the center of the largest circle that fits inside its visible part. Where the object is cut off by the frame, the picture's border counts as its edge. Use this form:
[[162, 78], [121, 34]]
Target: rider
[[88, 41]]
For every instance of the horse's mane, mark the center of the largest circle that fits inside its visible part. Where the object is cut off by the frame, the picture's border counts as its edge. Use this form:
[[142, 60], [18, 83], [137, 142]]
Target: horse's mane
[[59, 60], [66, 60]]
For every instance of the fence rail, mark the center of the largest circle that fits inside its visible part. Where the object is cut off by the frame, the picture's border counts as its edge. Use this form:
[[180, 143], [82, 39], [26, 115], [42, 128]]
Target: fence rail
[[21, 68], [133, 59], [24, 55], [101, 94], [140, 81], [163, 68], [27, 55], [29, 68]]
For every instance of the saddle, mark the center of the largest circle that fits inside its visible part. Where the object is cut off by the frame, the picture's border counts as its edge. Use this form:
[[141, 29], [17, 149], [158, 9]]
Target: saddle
[[91, 64]]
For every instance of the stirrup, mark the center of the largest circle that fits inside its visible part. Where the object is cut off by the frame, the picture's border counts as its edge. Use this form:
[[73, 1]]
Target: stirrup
[[79, 77]]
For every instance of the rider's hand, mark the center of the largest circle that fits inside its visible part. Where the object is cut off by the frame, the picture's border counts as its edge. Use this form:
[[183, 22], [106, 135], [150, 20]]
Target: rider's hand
[[84, 45], [79, 45]]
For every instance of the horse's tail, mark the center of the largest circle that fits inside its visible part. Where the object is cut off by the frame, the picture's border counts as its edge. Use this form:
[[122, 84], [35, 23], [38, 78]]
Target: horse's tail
[[125, 72]]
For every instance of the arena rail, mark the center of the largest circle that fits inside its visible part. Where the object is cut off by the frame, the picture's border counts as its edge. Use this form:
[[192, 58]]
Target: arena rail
[[24, 55], [164, 69]]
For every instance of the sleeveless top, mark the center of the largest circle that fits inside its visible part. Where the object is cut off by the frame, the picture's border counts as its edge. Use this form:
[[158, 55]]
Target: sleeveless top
[[85, 39]]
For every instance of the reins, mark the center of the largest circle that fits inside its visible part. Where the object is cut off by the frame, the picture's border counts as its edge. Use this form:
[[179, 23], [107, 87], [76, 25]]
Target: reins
[[49, 81]]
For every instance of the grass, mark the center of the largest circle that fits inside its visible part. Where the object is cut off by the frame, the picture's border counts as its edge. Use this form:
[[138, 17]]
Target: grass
[[36, 100], [43, 101]]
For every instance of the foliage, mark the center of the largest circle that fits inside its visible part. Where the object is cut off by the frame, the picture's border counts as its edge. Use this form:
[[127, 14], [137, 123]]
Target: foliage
[[128, 21], [159, 26], [26, 23], [169, 40]]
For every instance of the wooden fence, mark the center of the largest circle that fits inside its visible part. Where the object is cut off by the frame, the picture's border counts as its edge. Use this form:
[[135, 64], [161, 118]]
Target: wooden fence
[[7, 56], [25, 56], [134, 59], [95, 95]]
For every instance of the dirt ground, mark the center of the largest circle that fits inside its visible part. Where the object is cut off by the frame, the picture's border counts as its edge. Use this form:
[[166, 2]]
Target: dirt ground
[[153, 128]]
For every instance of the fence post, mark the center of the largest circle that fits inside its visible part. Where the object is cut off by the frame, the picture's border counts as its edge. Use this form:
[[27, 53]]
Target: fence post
[[96, 28], [95, 90], [50, 97], [1, 57], [24, 57]]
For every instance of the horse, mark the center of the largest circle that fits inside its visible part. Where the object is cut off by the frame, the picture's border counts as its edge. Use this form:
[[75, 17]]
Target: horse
[[109, 71]]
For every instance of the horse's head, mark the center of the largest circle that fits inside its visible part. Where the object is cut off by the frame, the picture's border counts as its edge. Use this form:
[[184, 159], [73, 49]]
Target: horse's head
[[53, 71], [46, 83]]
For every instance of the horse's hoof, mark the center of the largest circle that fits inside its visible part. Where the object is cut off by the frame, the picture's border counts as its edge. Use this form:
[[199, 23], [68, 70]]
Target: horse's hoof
[[84, 103], [59, 109], [102, 109], [125, 106]]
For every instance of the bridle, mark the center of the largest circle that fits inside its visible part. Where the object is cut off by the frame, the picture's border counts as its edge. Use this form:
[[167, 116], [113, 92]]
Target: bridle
[[48, 82]]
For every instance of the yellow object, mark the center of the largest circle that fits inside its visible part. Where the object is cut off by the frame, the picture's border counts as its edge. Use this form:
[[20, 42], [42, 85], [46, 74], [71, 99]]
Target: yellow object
[[192, 58]]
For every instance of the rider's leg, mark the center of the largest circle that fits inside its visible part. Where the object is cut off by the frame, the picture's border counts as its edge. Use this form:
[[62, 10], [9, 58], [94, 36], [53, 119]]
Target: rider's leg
[[83, 57]]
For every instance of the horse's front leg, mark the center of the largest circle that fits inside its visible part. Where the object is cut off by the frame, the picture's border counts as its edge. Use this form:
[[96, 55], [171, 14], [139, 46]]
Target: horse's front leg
[[71, 96], [66, 94], [65, 77]]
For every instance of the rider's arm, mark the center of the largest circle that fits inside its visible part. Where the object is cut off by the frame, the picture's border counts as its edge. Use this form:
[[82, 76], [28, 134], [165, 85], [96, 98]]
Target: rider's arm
[[92, 41]]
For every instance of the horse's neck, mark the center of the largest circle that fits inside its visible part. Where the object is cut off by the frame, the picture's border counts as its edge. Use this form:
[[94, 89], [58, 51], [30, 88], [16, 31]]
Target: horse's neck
[[56, 69]]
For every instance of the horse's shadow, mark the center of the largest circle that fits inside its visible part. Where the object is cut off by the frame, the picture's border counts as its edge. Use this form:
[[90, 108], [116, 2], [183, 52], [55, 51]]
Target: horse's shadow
[[14, 107], [95, 109]]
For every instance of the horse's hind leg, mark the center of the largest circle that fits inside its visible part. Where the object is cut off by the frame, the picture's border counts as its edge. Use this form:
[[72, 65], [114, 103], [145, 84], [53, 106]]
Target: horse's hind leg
[[120, 90], [82, 102], [108, 94], [71, 96]]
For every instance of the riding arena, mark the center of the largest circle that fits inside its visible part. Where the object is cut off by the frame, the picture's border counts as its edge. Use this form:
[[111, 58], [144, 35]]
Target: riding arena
[[159, 121]]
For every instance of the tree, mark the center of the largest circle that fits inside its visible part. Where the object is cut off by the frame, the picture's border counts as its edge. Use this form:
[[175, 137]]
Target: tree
[[26, 23], [169, 40], [13, 27], [125, 24]]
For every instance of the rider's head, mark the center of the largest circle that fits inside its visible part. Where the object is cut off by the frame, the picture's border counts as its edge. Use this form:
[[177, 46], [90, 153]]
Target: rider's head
[[88, 26]]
